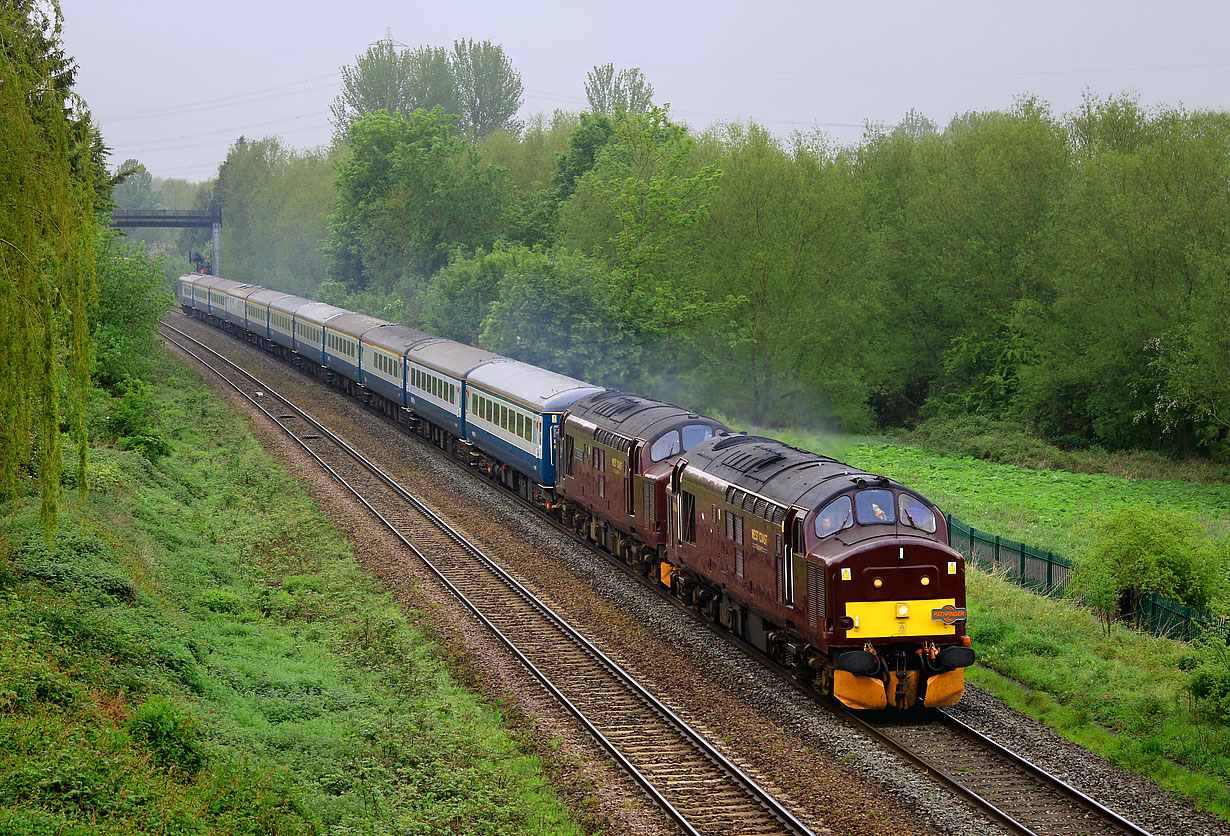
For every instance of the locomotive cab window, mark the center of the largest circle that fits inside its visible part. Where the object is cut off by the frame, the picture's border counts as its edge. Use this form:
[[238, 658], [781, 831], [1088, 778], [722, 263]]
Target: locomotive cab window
[[694, 434], [664, 447], [915, 513], [874, 507], [836, 516]]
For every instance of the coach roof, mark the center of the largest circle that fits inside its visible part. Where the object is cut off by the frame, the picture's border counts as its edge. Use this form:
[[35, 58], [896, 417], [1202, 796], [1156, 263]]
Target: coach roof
[[318, 313], [355, 324], [397, 339], [539, 389], [452, 358]]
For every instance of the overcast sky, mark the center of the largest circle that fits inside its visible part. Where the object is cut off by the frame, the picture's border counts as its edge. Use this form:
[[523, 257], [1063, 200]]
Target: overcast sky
[[173, 84]]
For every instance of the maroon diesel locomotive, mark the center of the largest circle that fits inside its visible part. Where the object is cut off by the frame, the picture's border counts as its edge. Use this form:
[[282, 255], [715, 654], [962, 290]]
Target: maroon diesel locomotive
[[843, 576]]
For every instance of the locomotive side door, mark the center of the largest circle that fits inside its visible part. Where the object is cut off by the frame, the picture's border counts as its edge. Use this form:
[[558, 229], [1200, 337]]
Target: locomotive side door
[[794, 557], [633, 467]]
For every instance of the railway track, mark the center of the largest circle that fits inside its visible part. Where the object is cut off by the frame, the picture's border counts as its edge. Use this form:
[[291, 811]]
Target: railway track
[[678, 769], [1022, 797]]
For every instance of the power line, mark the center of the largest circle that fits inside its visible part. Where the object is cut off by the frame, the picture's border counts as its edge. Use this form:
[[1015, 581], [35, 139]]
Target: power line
[[214, 143], [234, 99], [220, 131], [903, 74]]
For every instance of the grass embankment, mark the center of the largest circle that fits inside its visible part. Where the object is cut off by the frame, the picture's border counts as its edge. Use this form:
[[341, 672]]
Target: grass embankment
[[1121, 695], [198, 653]]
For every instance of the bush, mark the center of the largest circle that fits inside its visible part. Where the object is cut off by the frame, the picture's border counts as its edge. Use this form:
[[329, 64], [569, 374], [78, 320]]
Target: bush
[[134, 420], [1209, 681], [1141, 549], [171, 732]]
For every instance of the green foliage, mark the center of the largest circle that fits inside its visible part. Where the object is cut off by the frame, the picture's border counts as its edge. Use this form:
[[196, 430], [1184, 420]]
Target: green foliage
[[135, 420], [1138, 255], [395, 306], [634, 209], [460, 296], [51, 177], [592, 134], [530, 160], [132, 299], [473, 81], [774, 232], [1142, 549], [410, 193], [134, 187]]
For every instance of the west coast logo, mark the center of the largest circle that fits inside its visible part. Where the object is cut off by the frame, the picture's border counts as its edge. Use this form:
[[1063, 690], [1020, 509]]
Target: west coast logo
[[948, 614]]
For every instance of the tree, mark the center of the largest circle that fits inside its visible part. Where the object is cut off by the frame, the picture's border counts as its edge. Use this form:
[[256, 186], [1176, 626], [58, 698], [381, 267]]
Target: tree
[[411, 193], [134, 187], [132, 299], [378, 80], [778, 238], [276, 202], [635, 210], [489, 90], [591, 135], [915, 124], [562, 310], [608, 92], [399, 81], [1131, 331], [51, 177]]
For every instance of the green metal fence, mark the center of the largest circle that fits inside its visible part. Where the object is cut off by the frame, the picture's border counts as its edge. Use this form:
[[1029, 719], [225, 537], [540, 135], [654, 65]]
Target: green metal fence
[[1050, 574]]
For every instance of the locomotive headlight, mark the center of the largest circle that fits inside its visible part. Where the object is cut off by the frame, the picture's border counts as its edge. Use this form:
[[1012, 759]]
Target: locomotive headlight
[[903, 610], [877, 583], [926, 581]]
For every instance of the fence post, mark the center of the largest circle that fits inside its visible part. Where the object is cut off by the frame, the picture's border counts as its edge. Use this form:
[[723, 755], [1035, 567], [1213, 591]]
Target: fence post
[[995, 558]]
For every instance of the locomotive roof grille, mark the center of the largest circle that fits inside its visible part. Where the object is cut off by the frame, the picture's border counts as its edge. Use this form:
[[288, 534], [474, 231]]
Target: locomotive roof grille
[[611, 439], [756, 505], [745, 462], [618, 402]]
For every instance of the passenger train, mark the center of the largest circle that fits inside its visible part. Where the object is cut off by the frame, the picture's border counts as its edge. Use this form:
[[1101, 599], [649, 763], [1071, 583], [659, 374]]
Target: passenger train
[[845, 577]]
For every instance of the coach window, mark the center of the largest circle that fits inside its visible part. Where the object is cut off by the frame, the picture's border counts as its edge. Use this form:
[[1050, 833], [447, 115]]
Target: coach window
[[664, 447], [874, 507], [917, 514], [835, 517]]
